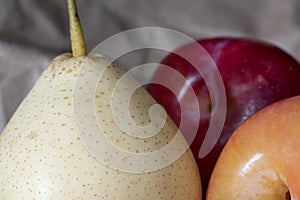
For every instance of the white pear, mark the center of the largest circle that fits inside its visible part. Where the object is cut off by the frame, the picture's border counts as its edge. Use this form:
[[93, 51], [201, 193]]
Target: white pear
[[42, 155]]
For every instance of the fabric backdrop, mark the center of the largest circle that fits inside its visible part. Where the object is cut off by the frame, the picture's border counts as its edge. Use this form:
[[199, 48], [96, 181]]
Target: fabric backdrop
[[32, 32]]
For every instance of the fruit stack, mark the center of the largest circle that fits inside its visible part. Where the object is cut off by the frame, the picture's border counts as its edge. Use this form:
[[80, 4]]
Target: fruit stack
[[44, 154]]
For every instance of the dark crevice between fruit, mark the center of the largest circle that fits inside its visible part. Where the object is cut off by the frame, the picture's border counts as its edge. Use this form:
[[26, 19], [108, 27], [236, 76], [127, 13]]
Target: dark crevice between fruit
[[288, 195], [209, 107]]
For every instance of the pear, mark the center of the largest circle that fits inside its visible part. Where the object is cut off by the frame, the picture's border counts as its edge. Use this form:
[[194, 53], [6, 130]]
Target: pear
[[42, 155]]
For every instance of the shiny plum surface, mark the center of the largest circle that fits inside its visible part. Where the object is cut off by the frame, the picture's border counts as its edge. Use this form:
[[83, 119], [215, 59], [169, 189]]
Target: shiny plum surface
[[255, 74]]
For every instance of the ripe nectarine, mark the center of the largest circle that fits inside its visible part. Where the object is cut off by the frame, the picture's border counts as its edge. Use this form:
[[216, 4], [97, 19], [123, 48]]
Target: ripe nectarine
[[262, 158]]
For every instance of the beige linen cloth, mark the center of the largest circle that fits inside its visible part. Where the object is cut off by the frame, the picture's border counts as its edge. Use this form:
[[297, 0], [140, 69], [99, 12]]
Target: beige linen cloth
[[32, 32]]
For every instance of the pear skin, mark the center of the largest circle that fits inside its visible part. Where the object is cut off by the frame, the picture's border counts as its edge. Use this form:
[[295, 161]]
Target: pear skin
[[42, 156]]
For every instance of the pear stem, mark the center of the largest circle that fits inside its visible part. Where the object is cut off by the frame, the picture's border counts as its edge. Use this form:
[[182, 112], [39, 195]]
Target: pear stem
[[77, 38]]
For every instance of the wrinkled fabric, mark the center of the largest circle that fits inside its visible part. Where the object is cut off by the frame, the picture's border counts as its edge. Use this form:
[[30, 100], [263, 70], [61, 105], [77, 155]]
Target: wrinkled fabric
[[33, 32]]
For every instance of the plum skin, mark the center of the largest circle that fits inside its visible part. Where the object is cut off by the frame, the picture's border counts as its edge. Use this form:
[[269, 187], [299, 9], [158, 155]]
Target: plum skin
[[255, 74]]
